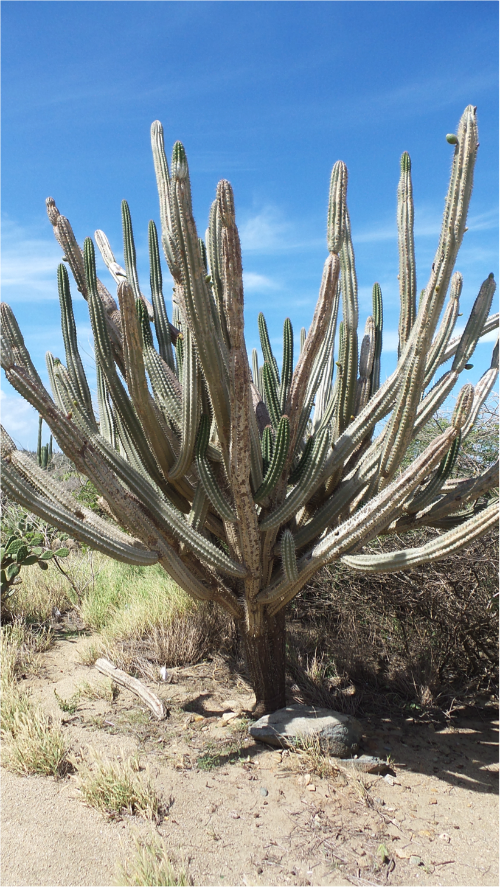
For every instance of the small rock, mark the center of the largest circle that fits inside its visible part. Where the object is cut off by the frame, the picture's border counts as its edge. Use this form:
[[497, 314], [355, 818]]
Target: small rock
[[307, 779], [311, 788], [229, 715], [338, 734], [444, 837], [234, 814], [164, 673], [415, 860], [259, 869], [264, 792], [433, 801]]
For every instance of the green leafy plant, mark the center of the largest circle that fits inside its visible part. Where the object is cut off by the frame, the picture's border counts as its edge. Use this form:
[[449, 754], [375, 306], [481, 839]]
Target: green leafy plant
[[243, 483]]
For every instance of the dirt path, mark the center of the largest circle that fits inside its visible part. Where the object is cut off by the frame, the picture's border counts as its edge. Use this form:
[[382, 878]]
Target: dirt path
[[243, 814]]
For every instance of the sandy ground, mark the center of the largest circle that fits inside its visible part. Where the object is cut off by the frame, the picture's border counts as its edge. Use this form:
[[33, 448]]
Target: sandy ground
[[240, 813]]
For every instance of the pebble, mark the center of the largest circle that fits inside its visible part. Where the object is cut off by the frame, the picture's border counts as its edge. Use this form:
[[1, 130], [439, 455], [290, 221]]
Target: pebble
[[415, 860], [264, 792]]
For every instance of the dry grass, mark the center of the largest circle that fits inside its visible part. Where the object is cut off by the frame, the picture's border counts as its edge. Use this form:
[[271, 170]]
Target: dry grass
[[31, 743], [145, 620], [115, 787], [423, 637], [151, 867]]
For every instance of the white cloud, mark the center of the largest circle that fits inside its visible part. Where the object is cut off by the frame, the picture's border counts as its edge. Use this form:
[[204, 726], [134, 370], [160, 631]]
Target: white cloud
[[268, 231], [253, 281], [29, 264]]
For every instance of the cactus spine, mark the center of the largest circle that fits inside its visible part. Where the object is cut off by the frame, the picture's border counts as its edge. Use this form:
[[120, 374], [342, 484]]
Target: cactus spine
[[223, 474]]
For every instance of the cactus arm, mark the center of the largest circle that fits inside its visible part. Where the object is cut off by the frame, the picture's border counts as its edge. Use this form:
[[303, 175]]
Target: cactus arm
[[117, 272], [205, 473], [301, 491], [432, 489], [489, 325], [277, 461], [12, 334], [366, 358], [271, 394], [129, 251], [445, 328], [267, 351], [323, 400], [121, 402], [87, 454], [64, 235], [72, 253], [255, 449], [190, 411], [407, 271], [255, 368], [378, 318], [289, 557], [474, 324], [107, 426], [317, 332], [454, 220], [161, 321], [63, 519], [336, 221], [136, 378], [287, 370], [438, 548], [482, 390], [73, 360], [241, 401], [369, 520], [199, 509], [349, 287], [164, 185], [39, 440], [197, 299]]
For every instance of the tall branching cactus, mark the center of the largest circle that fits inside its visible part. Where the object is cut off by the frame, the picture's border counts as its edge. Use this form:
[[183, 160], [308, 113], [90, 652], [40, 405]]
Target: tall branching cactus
[[242, 483]]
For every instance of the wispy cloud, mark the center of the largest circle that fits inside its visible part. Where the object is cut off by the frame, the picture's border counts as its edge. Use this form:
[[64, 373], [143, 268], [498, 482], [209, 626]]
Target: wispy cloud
[[29, 264], [258, 282], [269, 231]]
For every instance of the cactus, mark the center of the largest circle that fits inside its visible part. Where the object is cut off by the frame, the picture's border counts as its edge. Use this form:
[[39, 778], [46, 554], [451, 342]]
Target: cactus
[[239, 481], [22, 549], [43, 452]]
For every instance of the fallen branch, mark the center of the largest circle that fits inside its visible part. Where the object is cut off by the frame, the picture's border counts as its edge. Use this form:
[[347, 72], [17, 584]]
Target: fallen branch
[[121, 677]]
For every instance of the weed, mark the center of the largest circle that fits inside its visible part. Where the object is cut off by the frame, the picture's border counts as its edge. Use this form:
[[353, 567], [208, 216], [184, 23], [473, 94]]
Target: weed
[[151, 867], [68, 705], [115, 787]]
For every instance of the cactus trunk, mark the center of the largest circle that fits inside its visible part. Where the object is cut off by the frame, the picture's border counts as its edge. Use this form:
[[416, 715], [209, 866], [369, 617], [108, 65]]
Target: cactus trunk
[[265, 656]]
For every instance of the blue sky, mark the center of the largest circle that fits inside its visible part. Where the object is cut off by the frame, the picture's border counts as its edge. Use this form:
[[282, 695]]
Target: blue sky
[[266, 94]]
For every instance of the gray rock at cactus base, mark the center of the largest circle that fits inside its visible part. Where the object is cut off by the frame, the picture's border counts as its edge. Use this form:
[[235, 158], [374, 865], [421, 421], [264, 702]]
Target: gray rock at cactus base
[[337, 734]]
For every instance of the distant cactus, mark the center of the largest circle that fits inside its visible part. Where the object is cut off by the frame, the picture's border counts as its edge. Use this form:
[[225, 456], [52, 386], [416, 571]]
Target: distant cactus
[[244, 483], [43, 452]]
